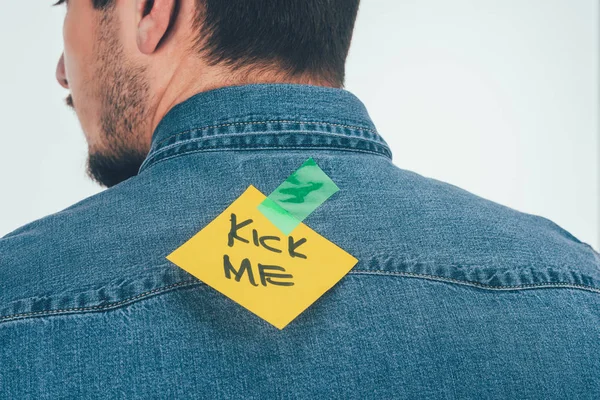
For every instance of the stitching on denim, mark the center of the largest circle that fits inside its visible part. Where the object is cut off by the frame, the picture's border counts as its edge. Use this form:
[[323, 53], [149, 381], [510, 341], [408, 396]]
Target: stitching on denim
[[151, 160], [477, 284], [100, 307], [265, 122], [244, 134], [164, 289]]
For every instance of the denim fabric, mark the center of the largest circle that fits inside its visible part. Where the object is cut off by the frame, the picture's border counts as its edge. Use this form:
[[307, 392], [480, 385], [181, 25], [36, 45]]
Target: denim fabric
[[454, 296]]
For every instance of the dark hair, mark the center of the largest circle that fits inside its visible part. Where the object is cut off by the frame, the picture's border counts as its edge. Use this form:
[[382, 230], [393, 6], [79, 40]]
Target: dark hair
[[100, 4], [296, 37]]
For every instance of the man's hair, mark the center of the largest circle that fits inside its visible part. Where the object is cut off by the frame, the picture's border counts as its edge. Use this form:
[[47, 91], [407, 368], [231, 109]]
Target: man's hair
[[293, 37]]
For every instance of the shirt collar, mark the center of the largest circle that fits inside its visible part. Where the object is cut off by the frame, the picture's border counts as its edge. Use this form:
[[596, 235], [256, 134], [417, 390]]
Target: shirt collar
[[266, 116]]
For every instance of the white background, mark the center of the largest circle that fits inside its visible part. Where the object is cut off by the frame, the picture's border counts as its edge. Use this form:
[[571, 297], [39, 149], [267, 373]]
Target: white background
[[500, 98]]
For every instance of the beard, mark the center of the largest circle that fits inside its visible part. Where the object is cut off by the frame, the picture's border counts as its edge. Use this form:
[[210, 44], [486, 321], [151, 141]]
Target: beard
[[123, 92], [109, 169]]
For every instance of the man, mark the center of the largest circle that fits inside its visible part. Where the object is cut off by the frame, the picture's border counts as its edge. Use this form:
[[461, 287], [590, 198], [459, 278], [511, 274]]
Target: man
[[198, 113]]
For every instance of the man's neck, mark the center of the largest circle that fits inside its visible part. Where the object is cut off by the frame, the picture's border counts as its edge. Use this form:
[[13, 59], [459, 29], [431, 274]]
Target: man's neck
[[188, 80]]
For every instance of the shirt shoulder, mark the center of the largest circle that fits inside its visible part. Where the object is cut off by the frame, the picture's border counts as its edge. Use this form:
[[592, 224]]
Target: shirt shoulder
[[427, 228], [97, 254]]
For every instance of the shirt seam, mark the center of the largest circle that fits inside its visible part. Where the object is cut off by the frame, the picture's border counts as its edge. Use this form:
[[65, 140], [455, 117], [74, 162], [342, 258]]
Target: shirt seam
[[263, 122], [151, 161], [194, 282], [243, 134]]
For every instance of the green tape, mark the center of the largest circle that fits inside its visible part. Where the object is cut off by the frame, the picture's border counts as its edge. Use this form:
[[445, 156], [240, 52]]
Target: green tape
[[298, 196], [285, 221]]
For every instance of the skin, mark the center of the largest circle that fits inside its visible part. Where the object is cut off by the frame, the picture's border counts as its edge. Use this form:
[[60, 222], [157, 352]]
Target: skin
[[126, 68]]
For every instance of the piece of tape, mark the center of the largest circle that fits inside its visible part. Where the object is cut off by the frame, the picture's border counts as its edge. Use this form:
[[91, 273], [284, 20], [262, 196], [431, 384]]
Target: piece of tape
[[298, 196]]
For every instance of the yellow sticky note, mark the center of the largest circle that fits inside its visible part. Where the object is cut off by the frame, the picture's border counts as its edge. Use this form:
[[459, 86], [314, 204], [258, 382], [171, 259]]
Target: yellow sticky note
[[248, 259]]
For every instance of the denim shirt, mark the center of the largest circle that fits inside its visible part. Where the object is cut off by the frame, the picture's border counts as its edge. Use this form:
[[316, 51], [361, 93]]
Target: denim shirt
[[453, 296]]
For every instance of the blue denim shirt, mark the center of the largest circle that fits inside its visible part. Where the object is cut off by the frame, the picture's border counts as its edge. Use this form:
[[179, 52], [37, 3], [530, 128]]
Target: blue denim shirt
[[454, 296]]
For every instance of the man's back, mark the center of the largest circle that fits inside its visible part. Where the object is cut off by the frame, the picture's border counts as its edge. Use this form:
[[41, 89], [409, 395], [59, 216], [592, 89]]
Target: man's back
[[453, 295]]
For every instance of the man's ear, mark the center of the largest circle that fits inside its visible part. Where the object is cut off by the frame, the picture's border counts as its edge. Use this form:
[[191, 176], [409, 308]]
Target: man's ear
[[154, 18]]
